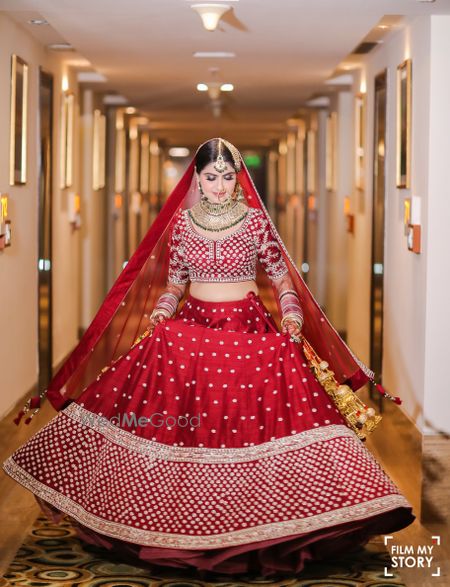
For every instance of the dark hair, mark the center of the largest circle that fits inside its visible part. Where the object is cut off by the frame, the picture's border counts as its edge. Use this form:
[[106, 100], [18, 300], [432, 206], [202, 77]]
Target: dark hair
[[208, 154]]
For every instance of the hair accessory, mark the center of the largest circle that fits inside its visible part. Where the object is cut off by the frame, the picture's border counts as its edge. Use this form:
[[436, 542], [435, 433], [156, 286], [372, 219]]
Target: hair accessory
[[234, 153], [220, 164]]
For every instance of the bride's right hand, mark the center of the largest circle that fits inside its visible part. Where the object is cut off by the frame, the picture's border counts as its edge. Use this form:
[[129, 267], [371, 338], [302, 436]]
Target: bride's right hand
[[158, 318]]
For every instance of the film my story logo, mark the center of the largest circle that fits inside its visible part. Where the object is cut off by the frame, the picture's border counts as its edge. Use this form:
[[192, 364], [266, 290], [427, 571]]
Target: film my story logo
[[412, 557]]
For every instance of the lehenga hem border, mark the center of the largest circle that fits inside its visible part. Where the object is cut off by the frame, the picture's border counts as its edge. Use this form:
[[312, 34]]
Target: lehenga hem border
[[126, 533]]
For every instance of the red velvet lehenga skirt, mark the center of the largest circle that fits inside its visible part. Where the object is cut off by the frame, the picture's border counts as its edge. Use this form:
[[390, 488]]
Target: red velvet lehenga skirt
[[211, 445]]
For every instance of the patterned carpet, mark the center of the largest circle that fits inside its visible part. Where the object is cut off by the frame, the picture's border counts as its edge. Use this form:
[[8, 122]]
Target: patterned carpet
[[52, 555]]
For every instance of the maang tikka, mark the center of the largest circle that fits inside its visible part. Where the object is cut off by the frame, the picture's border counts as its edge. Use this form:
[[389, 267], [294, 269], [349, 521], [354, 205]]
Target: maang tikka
[[220, 164]]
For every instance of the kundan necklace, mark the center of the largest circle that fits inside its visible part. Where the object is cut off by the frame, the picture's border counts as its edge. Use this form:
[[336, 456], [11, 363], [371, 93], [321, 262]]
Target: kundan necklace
[[217, 216]]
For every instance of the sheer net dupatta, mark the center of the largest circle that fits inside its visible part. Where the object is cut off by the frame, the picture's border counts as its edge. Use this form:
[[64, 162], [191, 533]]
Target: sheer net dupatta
[[124, 314]]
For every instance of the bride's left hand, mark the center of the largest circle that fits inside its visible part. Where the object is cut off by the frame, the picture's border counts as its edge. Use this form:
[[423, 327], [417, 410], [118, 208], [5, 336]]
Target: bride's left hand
[[291, 327]]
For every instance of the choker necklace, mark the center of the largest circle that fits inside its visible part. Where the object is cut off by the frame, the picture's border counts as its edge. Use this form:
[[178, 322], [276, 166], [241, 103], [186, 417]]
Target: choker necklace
[[217, 216]]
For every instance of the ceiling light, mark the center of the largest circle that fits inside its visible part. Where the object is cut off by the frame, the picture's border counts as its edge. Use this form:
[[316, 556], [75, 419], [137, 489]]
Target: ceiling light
[[61, 47], [38, 21], [210, 14], [227, 87], [130, 110], [215, 54], [202, 87], [383, 26], [114, 100], [179, 152], [319, 102]]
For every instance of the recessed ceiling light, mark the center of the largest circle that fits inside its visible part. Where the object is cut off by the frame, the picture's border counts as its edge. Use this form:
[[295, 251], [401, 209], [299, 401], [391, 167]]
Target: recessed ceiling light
[[202, 87], [179, 152], [130, 110], [114, 100], [227, 87], [61, 47], [38, 21], [214, 54]]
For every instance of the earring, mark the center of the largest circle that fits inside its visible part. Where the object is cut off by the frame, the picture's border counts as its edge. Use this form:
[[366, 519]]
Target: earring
[[239, 193], [200, 189]]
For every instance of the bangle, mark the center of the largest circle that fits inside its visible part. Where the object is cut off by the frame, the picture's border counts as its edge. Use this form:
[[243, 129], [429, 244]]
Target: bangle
[[167, 304], [290, 304], [297, 318], [286, 291], [159, 312]]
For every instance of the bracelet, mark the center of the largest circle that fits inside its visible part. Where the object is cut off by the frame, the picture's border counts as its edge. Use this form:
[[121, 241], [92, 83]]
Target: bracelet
[[297, 318], [159, 312], [167, 305], [291, 291], [290, 304]]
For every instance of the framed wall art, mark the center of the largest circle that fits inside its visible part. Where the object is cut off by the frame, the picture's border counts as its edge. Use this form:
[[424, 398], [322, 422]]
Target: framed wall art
[[18, 122], [404, 124], [331, 151], [360, 109], [99, 147], [66, 147], [311, 161]]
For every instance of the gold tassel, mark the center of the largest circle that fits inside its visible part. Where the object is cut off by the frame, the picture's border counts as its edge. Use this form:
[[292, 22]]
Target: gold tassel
[[359, 417]]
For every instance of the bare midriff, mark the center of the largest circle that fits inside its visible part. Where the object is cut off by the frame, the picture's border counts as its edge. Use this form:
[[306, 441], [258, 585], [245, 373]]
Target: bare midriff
[[222, 291]]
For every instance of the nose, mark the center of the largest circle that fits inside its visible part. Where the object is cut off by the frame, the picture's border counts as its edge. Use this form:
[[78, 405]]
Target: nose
[[220, 186]]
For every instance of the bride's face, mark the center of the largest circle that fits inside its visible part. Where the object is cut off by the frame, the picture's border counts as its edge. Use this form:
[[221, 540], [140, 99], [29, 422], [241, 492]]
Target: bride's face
[[217, 186]]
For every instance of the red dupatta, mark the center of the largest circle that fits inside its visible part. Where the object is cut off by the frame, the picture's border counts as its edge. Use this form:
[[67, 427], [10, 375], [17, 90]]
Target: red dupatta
[[124, 314]]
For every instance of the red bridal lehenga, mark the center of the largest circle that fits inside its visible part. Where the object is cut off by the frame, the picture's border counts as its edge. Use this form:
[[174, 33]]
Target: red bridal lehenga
[[207, 443]]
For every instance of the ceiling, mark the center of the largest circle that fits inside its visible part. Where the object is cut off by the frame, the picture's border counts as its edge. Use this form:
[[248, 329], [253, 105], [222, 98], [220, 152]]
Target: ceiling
[[285, 50]]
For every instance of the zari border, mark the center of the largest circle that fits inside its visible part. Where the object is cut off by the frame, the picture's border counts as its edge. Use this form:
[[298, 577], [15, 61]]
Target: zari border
[[165, 540], [166, 452]]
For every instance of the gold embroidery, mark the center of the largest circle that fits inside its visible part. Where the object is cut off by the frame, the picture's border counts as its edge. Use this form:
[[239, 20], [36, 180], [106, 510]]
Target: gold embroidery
[[258, 533]]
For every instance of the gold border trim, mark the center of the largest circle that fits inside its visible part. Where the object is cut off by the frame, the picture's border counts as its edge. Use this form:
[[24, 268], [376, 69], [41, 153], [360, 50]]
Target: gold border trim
[[165, 540], [193, 454]]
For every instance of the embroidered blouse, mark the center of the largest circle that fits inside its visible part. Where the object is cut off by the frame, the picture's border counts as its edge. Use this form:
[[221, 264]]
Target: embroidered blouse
[[195, 257]]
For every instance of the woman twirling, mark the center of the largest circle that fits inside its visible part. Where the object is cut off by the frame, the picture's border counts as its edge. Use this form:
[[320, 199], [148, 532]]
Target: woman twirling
[[206, 441]]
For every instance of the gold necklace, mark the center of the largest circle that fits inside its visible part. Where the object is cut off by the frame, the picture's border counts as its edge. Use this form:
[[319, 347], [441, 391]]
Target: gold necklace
[[217, 216]]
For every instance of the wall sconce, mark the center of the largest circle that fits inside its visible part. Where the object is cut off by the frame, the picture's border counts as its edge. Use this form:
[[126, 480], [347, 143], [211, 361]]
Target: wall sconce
[[5, 225], [210, 14], [412, 223], [349, 216], [74, 210]]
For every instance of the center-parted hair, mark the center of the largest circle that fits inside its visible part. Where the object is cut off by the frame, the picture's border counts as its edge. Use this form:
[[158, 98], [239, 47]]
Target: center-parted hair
[[209, 152]]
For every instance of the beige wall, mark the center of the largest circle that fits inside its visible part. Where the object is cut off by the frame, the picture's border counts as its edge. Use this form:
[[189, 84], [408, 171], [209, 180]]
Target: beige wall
[[416, 315], [18, 264]]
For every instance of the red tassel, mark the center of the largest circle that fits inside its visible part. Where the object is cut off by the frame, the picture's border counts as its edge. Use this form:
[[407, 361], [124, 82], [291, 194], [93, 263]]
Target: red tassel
[[384, 393], [18, 417], [35, 402]]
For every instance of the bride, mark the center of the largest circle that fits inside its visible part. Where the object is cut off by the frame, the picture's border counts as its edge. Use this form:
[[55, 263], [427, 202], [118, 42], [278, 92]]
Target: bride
[[191, 432]]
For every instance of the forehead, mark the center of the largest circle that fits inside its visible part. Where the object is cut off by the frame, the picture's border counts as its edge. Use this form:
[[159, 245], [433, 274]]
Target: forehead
[[211, 169]]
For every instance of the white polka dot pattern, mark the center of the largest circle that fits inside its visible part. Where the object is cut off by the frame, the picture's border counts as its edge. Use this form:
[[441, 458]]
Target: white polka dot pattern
[[166, 498], [246, 445]]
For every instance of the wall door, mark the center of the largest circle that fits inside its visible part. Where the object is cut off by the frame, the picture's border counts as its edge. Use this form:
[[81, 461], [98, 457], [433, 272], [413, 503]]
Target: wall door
[[45, 230], [378, 228]]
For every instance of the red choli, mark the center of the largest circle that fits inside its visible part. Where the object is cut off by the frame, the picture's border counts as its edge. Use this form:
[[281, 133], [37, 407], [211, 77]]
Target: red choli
[[196, 257]]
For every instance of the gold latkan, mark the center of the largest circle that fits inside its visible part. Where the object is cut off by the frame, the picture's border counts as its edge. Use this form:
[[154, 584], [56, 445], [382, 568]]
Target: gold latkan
[[359, 417]]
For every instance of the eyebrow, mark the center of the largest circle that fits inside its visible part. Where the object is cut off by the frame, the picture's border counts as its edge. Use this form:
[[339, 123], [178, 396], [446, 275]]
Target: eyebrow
[[224, 173]]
